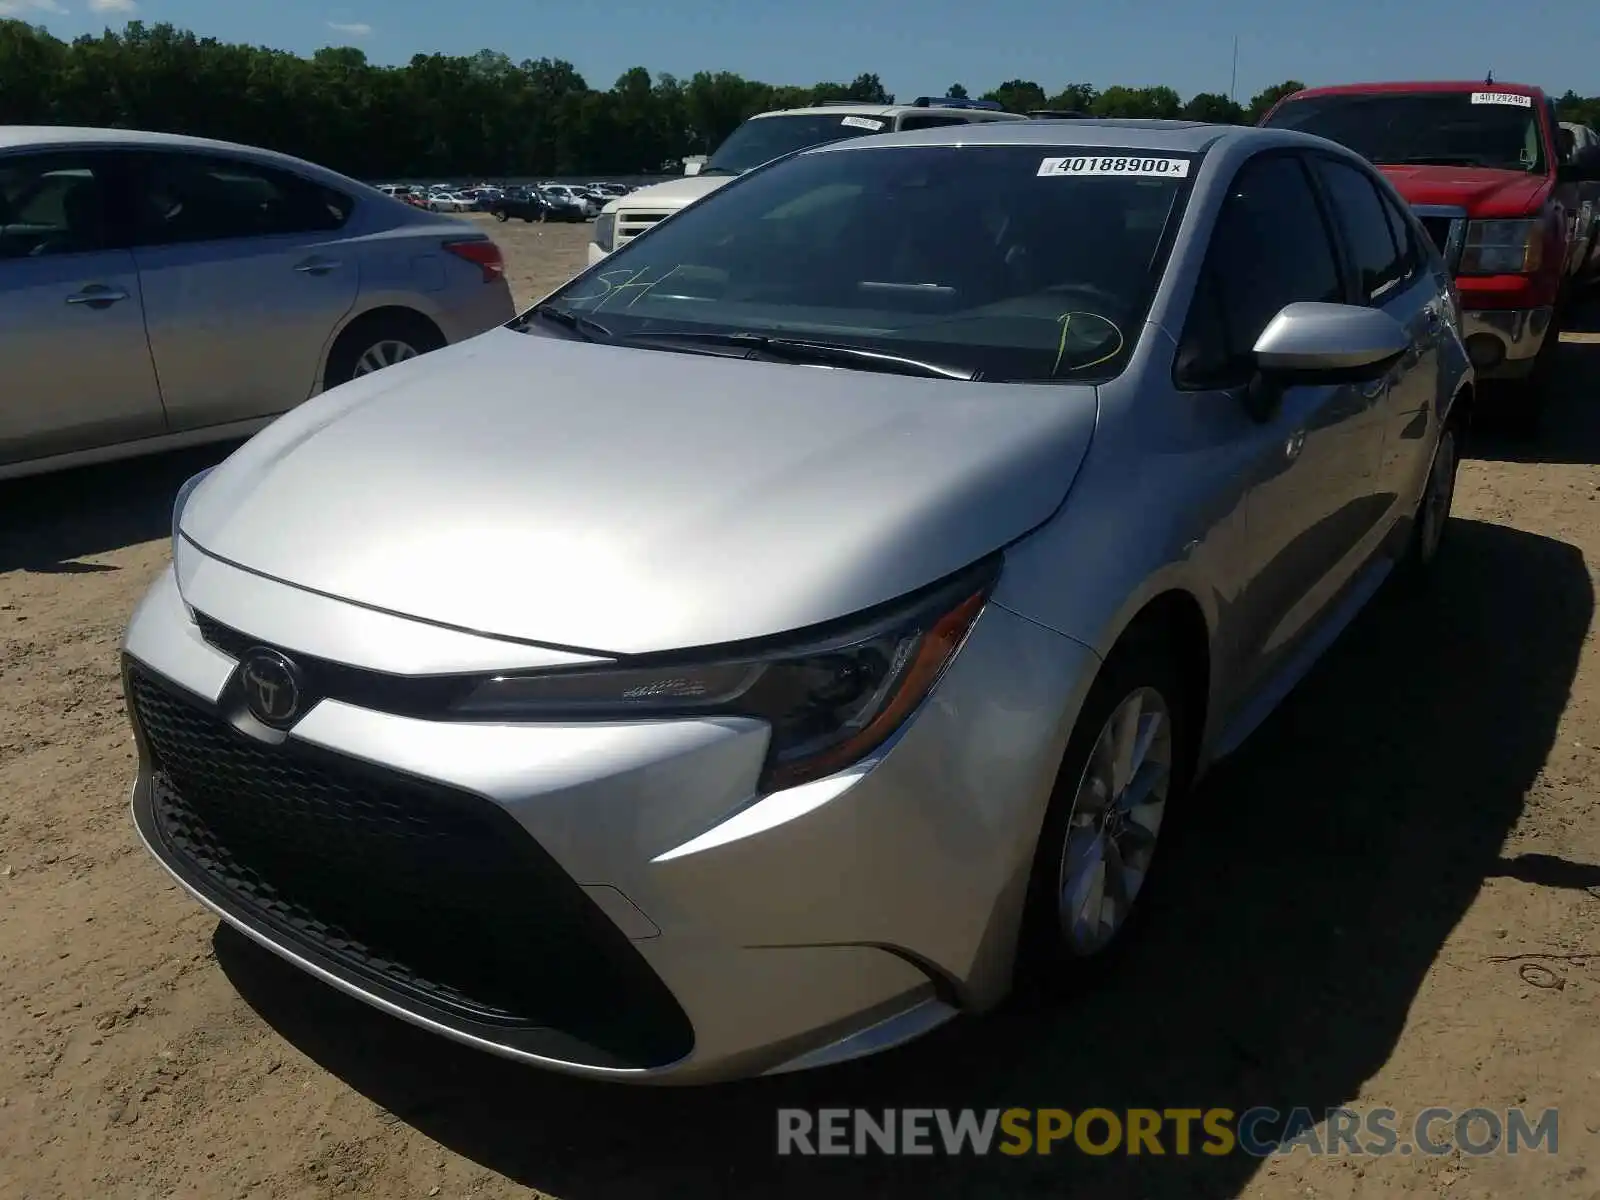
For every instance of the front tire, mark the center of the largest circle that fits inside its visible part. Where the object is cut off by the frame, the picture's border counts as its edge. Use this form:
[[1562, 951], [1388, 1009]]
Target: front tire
[[502, 216], [1517, 406], [1127, 763]]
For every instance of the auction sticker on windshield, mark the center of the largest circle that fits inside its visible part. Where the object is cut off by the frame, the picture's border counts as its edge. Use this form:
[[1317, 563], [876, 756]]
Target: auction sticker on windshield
[[1502, 98], [1144, 168], [862, 123]]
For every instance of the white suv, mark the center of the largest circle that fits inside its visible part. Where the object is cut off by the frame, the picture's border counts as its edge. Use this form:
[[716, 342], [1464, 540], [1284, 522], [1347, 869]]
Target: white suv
[[770, 135]]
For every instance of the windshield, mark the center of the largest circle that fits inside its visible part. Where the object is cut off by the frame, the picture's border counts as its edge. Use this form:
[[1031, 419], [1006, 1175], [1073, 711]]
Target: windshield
[[1470, 129], [1013, 263], [762, 139]]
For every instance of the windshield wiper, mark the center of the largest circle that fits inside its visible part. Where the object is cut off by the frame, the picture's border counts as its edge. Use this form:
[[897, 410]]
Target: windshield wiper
[[718, 171], [587, 328], [799, 350]]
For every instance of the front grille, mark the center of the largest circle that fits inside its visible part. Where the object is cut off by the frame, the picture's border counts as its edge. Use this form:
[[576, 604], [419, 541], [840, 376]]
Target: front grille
[[631, 224], [434, 894]]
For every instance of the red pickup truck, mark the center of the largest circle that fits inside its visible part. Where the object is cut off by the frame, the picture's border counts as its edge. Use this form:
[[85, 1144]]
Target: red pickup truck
[[1497, 184]]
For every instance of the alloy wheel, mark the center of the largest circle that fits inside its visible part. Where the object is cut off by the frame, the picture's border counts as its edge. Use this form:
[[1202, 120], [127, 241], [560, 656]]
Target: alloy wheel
[[1116, 818], [383, 354]]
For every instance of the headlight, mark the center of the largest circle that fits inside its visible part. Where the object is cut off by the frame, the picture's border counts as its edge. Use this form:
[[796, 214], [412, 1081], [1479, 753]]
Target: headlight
[[184, 493], [605, 231], [831, 699], [1503, 248]]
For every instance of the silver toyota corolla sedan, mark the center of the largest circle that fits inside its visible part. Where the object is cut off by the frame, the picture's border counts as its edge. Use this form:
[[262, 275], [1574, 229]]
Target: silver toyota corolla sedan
[[938, 507], [158, 291]]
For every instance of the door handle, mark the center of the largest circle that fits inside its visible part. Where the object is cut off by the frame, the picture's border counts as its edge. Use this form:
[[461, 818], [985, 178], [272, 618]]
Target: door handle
[[97, 295], [318, 266]]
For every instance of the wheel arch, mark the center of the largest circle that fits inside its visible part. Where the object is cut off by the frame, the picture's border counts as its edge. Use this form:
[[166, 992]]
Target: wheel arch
[[1174, 621], [1170, 622], [358, 319], [1168, 616]]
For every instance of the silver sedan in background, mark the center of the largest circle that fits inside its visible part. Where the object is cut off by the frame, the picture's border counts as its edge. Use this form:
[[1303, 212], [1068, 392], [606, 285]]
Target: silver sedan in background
[[158, 291], [939, 507]]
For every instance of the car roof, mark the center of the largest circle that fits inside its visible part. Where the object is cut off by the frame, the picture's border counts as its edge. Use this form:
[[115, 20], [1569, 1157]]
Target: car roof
[[848, 109], [14, 137], [1431, 85], [1182, 137]]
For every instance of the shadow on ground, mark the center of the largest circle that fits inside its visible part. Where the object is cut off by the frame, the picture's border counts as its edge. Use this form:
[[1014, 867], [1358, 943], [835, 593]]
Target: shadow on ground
[[1264, 977], [1570, 430], [50, 520]]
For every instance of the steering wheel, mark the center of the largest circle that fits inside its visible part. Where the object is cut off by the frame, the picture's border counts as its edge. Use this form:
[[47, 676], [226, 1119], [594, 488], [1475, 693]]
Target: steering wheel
[[1095, 299]]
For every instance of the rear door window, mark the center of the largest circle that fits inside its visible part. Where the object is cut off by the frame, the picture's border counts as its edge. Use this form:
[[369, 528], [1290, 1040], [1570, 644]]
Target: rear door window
[[1379, 263], [198, 198], [1406, 237]]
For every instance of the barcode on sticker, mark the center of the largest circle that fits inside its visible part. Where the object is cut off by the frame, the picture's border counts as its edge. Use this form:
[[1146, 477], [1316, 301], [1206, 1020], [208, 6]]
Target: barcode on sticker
[[862, 123], [1502, 98], [1145, 168]]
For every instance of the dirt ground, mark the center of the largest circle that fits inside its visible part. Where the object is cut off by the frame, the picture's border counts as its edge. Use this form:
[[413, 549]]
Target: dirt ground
[[1337, 930]]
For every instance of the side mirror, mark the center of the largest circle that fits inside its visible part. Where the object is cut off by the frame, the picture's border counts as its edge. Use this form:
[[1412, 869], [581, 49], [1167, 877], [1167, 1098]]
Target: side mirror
[[1314, 343]]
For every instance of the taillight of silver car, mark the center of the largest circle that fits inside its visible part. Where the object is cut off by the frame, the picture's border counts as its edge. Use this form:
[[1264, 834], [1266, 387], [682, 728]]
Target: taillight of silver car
[[483, 254]]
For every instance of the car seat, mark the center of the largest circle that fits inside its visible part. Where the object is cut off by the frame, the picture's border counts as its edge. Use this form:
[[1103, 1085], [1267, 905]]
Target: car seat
[[83, 221]]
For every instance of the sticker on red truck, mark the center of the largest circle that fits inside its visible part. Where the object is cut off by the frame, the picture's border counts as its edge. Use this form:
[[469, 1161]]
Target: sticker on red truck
[[1502, 98]]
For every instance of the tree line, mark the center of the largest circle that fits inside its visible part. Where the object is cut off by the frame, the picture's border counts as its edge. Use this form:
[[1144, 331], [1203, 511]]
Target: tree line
[[482, 115]]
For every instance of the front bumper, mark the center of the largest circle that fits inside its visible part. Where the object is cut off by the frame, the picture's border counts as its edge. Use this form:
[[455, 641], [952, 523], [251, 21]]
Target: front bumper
[[1505, 343], [606, 900]]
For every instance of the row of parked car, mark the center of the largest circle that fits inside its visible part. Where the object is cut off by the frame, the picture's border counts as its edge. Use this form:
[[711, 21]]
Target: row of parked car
[[550, 201]]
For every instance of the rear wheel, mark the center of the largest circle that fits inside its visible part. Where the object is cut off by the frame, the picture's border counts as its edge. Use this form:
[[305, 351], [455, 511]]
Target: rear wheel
[[501, 215], [1432, 517], [372, 343]]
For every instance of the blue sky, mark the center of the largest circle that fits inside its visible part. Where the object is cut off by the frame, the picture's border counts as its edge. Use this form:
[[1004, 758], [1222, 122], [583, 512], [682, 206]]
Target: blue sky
[[923, 46]]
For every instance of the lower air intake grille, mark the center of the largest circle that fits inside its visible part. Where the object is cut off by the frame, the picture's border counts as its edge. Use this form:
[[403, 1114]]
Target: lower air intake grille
[[435, 894]]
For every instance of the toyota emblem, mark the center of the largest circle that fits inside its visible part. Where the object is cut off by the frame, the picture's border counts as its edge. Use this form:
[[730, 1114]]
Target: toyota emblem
[[271, 687]]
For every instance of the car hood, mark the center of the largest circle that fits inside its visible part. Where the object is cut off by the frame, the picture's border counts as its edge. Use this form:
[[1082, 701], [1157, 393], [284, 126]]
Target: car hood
[[625, 501], [671, 195], [1482, 191]]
